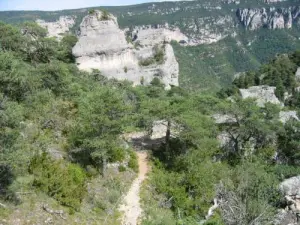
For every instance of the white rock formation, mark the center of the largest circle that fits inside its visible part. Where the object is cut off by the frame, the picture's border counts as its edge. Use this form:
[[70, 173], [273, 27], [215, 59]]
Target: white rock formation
[[290, 188], [298, 74], [159, 129], [148, 35], [224, 140], [102, 45], [262, 94], [272, 18], [59, 28], [285, 116], [224, 119]]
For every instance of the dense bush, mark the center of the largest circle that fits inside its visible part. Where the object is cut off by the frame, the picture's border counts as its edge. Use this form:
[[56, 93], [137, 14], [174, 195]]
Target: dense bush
[[63, 181], [133, 161]]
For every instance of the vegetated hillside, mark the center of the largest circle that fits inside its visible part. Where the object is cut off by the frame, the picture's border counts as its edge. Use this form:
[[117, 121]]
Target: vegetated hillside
[[61, 130], [229, 44]]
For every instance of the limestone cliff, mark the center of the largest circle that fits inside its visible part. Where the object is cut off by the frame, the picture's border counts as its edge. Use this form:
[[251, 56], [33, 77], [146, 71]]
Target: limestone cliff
[[271, 18], [102, 45], [58, 28]]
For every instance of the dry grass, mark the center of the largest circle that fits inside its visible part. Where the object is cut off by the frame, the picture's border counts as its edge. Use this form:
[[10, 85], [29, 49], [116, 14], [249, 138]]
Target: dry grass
[[100, 205]]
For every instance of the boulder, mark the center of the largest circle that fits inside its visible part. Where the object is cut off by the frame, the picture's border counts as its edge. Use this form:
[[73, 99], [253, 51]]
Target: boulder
[[285, 116], [263, 94], [298, 74], [159, 129], [290, 186], [224, 119]]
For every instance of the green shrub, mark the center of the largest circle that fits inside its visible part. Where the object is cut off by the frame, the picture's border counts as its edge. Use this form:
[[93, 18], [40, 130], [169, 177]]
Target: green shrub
[[64, 182], [159, 54], [117, 155], [92, 11], [91, 171], [105, 15], [142, 81], [156, 82], [285, 171], [147, 62], [133, 161], [122, 168]]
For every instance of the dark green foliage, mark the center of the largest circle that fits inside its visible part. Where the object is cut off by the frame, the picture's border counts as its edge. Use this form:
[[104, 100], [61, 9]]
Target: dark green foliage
[[159, 54], [146, 62], [33, 30], [122, 168], [6, 179], [289, 144], [285, 171], [158, 57], [254, 127], [92, 11], [64, 182], [16, 80], [133, 161], [11, 38], [105, 15], [117, 155]]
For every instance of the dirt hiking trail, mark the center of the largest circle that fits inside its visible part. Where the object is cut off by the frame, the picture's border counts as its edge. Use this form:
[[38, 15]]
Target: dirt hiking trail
[[131, 207]]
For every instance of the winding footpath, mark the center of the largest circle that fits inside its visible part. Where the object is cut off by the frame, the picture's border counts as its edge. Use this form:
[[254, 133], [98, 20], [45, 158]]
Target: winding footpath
[[131, 207]]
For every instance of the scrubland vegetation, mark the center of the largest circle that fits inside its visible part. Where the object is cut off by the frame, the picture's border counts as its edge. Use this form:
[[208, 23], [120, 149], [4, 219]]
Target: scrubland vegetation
[[60, 128]]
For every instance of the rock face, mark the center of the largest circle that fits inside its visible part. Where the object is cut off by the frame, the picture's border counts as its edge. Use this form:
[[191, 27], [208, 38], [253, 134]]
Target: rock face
[[224, 119], [290, 188], [285, 116], [159, 130], [151, 35], [271, 18], [59, 28], [262, 94], [298, 74], [102, 45]]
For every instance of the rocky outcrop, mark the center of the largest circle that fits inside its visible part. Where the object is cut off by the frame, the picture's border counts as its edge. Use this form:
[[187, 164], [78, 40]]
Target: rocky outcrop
[[298, 74], [290, 188], [150, 35], [159, 130], [262, 94], [224, 119], [285, 116], [274, 1], [59, 28], [102, 45], [285, 217], [271, 18]]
